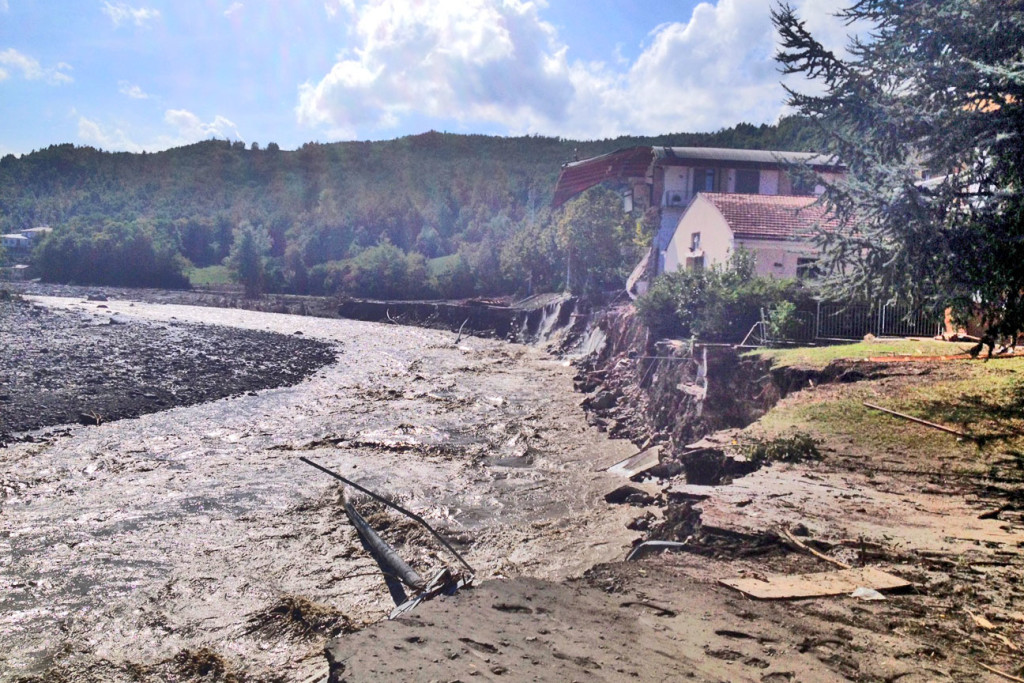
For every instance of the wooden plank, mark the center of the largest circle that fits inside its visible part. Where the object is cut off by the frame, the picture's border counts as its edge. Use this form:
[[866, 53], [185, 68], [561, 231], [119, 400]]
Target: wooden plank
[[635, 464], [843, 581]]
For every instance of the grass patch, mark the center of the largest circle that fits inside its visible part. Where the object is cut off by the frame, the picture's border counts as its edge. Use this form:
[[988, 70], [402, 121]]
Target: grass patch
[[982, 399], [436, 266], [210, 275], [820, 356]]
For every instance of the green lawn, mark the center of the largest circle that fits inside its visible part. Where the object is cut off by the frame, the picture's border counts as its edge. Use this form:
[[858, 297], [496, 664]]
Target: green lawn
[[984, 399], [211, 275], [436, 266], [820, 356]]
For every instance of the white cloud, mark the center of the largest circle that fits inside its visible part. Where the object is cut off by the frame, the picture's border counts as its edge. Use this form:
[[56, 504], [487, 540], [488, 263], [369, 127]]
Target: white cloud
[[31, 69], [474, 60], [182, 127], [234, 9], [111, 139], [335, 7], [497, 61], [4, 6], [131, 90], [190, 128], [122, 13]]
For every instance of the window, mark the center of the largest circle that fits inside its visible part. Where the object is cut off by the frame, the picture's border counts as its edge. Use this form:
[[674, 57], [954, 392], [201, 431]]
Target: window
[[703, 180], [807, 268], [748, 182], [802, 184], [695, 241]]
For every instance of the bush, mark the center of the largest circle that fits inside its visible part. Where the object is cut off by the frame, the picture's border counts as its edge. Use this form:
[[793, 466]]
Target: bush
[[718, 303], [797, 448]]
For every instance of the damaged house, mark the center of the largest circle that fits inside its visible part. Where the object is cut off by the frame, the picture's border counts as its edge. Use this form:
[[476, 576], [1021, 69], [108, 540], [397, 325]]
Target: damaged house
[[710, 202]]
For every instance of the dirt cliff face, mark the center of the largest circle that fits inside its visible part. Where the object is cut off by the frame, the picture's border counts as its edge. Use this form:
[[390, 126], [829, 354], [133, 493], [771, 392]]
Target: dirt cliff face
[[671, 392]]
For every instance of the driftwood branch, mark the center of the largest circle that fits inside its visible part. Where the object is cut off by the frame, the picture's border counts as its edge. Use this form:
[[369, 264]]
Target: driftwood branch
[[926, 423], [459, 338], [791, 540], [997, 672]]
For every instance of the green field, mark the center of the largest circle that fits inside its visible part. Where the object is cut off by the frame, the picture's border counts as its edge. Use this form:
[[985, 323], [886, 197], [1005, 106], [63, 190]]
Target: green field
[[211, 275], [820, 356]]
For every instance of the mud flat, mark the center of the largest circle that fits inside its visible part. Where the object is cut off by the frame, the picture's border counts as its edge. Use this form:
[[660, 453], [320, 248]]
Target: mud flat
[[192, 543]]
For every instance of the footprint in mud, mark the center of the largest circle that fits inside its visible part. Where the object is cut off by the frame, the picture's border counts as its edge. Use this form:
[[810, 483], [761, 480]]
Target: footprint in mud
[[478, 646], [582, 662], [725, 653], [514, 609]]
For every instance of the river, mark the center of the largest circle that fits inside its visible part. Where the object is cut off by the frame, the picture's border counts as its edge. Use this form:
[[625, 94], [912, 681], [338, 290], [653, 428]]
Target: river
[[125, 545]]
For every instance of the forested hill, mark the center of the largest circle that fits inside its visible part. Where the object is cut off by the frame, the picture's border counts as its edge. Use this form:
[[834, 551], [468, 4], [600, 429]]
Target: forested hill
[[448, 204]]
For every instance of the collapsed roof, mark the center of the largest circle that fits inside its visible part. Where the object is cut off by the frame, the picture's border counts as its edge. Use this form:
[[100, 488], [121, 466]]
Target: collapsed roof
[[639, 162]]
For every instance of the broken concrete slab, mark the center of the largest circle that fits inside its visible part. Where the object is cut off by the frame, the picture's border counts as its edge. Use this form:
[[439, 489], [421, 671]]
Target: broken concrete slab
[[816, 585]]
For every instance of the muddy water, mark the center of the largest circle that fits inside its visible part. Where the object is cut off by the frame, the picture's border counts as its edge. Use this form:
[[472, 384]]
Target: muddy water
[[125, 544]]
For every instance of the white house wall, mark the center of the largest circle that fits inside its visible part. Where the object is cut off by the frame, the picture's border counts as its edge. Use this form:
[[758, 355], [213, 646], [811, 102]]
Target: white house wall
[[676, 184], [769, 182], [776, 258], [716, 241]]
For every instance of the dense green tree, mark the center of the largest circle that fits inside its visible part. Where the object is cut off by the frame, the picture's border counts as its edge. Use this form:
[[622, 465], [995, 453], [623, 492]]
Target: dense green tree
[[596, 236], [933, 87], [248, 258], [457, 200], [110, 253]]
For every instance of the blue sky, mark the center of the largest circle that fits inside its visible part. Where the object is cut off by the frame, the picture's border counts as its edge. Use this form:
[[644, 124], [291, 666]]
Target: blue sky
[[148, 74]]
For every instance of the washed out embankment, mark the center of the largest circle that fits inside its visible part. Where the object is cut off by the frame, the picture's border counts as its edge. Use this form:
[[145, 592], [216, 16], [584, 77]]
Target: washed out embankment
[[534, 319], [672, 393]]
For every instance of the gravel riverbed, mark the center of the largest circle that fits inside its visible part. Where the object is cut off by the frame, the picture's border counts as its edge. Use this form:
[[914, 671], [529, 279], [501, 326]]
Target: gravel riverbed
[[93, 366]]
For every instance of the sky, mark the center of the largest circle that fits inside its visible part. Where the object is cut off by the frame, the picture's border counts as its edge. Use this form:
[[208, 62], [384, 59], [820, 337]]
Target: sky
[[150, 75]]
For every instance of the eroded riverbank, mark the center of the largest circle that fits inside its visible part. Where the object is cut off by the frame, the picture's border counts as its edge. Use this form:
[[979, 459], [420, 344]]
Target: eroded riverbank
[[141, 545]]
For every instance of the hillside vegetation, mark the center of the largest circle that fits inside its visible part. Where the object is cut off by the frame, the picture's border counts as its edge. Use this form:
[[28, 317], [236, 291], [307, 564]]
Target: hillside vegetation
[[435, 214]]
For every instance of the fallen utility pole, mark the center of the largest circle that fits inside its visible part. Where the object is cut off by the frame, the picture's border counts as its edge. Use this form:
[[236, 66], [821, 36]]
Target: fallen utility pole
[[926, 423], [394, 506], [396, 571]]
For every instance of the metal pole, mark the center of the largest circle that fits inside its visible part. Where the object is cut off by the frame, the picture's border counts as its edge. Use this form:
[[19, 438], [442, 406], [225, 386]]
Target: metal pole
[[411, 515]]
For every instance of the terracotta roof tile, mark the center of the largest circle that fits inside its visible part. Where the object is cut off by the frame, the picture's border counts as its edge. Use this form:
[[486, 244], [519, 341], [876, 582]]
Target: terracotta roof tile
[[770, 217]]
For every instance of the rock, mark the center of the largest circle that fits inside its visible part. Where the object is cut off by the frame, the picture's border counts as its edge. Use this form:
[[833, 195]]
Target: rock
[[642, 523], [602, 400], [90, 419], [629, 494]]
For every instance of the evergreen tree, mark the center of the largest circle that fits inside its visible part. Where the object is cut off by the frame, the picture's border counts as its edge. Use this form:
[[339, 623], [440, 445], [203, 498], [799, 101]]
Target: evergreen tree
[[248, 258], [934, 88]]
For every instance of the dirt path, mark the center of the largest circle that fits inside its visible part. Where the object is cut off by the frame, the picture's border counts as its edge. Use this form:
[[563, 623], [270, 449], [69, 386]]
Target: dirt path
[[169, 544]]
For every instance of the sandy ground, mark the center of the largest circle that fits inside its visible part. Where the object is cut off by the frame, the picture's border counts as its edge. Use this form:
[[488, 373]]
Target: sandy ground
[[154, 546]]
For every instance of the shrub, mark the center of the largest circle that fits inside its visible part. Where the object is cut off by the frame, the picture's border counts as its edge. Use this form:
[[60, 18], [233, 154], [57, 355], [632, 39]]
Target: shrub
[[797, 448], [717, 303]]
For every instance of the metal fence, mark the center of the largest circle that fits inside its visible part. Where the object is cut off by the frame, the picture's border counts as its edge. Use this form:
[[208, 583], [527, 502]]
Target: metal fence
[[846, 321], [829, 320]]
